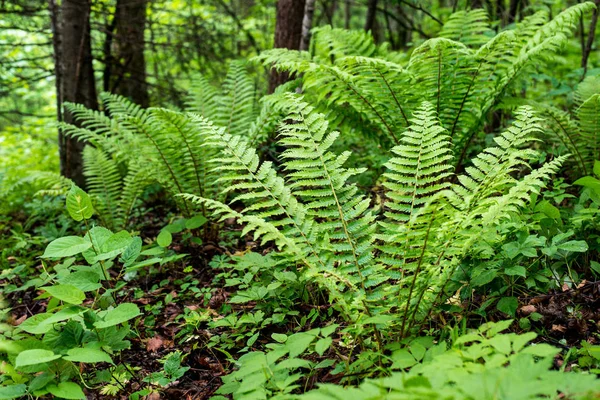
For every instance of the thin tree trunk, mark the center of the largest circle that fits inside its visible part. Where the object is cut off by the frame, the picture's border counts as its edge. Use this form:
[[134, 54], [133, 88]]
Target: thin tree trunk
[[512, 11], [347, 14], [309, 12], [54, 20], [76, 79], [590, 40], [288, 34], [371, 14], [130, 79]]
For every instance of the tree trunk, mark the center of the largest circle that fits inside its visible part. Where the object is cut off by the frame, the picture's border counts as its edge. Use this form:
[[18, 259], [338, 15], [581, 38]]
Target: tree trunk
[[587, 48], [513, 8], [288, 34], [371, 14], [130, 71], [347, 14], [309, 12], [76, 79]]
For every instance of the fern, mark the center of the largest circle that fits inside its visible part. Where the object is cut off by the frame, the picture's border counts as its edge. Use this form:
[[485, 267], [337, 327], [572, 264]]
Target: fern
[[463, 74], [320, 222], [469, 27]]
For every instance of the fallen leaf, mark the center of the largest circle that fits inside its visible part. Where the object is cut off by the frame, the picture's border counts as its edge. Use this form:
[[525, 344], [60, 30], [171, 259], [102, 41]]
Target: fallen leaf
[[559, 328], [565, 287], [153, 396], [582, 284], [528, 309], [154, 343]]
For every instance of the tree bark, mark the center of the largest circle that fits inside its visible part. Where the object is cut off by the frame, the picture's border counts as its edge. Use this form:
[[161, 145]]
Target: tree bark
[[513, 8], [288, 34], [371, 14], [347, 14], [130, 71], [76, 79], [309, 12], [587, 49]]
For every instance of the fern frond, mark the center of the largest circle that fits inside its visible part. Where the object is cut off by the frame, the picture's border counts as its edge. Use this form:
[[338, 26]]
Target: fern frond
[[471, 27], [420, 169], [104, 185], [318, 178]]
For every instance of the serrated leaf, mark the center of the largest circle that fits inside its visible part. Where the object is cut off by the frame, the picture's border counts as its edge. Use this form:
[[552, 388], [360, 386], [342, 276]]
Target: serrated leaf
[[35, 357], [114, 245], [122, 313], [66, 246], [87, 355], [67, 390], [79, 204], [67, 293], [86, 281], [132, 252]]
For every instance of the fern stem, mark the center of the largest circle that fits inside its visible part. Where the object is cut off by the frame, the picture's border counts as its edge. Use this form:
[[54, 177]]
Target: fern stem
[[171, 172], [394, 96], [414, 281], [389, 129], [573, 145]]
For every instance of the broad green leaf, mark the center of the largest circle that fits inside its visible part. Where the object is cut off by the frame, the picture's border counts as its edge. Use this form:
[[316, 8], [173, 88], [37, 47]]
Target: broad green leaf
[[122, 313], [595, 266], [132, 252], [323, 345], [12, 391], [35, 324], [484, 278], [87, 355], [501, 343], [328, 330], [67, 390], [176, 226], [35, 357], [541, 350], [164, 238], [548, 209], [402, 359], [67, 293], [66, 246], [114, 245], [298, 343], [79, 204], [279, 337], [516, 270], [196, 222], [590, 182], [86, 281], [42, 323], [577, 246], [508, 305], [597, 168]]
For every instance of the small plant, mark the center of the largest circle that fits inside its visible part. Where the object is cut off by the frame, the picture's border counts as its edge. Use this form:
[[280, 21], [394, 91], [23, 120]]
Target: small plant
[[48, 352]]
